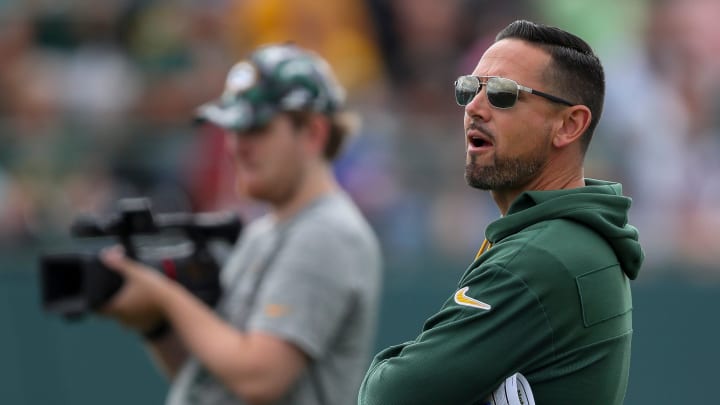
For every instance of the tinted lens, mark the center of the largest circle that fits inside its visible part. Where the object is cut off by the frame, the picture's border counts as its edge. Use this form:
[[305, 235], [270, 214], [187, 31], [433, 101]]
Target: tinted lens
[[466, 88], [501, 92]]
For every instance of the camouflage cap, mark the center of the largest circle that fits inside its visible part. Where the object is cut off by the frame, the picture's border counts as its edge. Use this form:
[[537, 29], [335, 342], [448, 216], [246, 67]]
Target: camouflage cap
[[275, 78]]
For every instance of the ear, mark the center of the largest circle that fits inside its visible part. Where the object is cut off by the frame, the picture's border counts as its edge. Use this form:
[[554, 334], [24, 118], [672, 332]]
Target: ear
[[573, 123], [318, 133]]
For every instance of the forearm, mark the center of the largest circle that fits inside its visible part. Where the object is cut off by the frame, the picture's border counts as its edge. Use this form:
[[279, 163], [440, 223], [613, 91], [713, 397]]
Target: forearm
[[400, 380], [216, 344], [459, 359], [257, 367], [168, 354]]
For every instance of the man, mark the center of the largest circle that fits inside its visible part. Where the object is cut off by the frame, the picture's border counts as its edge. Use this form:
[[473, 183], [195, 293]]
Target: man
[[548, 294], [296, 320]]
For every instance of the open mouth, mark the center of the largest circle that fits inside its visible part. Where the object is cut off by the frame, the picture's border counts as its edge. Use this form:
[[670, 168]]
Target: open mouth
[[479, 141]]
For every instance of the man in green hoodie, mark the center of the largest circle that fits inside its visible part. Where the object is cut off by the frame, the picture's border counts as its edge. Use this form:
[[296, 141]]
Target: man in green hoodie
[[548, 294]]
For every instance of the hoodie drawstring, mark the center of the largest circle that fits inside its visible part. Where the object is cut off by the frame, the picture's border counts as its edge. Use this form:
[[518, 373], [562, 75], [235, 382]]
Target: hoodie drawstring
[[483, 248]]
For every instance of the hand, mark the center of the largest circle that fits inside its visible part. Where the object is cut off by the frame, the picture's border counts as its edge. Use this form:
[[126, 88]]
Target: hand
[[136, 304]]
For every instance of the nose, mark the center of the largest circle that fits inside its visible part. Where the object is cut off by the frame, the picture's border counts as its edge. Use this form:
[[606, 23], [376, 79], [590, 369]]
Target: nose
[[479, 107]]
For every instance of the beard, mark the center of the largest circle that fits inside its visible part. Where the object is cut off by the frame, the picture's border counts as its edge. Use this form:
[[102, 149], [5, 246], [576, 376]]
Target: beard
[[504, 173]]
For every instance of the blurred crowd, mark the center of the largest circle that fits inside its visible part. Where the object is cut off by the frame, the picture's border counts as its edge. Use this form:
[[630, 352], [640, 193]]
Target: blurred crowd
[[97, 100]]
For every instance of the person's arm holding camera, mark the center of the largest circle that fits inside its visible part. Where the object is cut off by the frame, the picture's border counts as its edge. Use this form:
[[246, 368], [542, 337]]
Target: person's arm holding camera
[[258, 367], [139, 313]]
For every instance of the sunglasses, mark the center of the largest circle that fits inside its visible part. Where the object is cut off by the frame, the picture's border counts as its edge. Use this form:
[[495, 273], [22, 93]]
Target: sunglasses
[[502, 93]]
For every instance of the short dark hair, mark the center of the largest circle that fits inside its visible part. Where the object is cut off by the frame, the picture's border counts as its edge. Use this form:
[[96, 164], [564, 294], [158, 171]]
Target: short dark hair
[[575, 71]]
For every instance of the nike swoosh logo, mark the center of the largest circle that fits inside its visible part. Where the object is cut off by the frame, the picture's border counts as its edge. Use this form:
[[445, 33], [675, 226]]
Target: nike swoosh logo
[[463, 299]]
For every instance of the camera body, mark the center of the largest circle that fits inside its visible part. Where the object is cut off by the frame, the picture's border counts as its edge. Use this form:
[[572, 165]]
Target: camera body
[[75, 283]]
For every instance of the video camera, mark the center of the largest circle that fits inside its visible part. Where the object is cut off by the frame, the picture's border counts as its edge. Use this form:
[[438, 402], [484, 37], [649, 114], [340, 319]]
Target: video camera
[[76, 283]]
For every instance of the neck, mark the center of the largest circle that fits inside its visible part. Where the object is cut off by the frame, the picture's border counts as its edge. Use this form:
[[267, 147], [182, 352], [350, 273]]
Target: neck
[[558, 181], [315, 183]]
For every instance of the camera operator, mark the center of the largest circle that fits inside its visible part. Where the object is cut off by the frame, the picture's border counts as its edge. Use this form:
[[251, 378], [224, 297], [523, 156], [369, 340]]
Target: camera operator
[[296, 320]]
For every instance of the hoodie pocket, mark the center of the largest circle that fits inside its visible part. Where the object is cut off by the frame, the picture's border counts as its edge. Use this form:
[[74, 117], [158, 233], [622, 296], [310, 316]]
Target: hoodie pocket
[[604, 294]]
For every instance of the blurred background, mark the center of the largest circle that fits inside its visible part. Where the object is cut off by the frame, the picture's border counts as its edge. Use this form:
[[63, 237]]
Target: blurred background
[[96, 101]]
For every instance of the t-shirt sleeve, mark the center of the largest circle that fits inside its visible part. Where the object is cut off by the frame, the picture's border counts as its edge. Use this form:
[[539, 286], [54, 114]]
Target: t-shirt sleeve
[[308, 290], [490, 328]]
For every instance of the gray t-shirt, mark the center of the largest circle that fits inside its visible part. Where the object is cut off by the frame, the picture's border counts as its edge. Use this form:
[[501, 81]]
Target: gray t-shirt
[[314, 281]]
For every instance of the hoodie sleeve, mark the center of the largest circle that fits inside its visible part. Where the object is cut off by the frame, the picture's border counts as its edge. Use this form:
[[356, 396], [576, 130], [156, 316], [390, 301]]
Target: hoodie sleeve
[[490, 328]]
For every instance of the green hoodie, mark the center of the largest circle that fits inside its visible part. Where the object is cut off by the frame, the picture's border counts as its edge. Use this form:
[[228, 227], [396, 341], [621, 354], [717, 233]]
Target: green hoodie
[[550, 299]]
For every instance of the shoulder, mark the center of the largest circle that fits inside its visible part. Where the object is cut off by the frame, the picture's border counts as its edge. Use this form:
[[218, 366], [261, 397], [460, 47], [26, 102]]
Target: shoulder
[[560, 247], [546, 258], [333, 220], [555, 261], [331, 237]]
